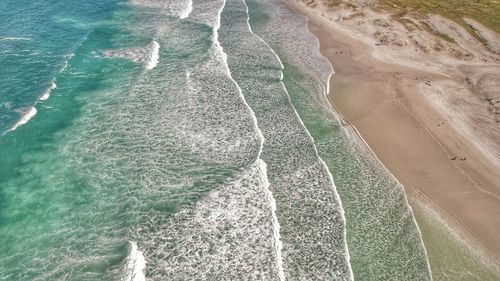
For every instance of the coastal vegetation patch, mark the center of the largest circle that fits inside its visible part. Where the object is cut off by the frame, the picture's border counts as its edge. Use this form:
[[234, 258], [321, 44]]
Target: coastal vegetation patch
[[487, 12]]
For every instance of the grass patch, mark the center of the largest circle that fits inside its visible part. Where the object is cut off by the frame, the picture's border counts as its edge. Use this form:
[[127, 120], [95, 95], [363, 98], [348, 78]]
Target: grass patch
[[487, 12], [434, 32]]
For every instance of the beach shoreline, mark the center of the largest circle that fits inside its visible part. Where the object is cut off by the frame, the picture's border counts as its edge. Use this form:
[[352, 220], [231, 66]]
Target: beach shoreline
[[446, 168]]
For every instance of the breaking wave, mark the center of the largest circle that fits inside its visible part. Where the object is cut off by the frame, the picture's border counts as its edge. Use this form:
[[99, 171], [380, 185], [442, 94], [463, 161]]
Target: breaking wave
[[46, 94], [154, 55], [135, 264], [27, 115], [189, 9]]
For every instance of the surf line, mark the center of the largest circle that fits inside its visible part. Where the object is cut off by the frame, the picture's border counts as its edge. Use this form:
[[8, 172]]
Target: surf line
[[334, 187], [261, 164]]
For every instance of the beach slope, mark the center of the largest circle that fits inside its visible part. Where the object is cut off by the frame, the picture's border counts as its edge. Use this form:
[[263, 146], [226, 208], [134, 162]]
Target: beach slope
[[427, 102]]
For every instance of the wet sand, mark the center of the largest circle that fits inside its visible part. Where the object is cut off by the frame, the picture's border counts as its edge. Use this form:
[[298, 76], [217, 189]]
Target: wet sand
[[440, 166]]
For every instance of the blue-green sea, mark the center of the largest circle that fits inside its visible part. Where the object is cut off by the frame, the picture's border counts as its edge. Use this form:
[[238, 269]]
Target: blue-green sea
[[185, 140]]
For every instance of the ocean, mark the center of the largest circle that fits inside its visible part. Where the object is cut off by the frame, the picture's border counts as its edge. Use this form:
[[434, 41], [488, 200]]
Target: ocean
[[185, 140]]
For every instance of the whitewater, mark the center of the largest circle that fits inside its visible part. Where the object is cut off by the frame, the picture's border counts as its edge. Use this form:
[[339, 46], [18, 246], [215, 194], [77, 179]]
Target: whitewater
[[186, 140], [260, 163]]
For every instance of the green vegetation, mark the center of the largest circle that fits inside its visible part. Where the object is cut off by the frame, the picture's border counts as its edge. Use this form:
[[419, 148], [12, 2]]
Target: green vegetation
[[487, 12]]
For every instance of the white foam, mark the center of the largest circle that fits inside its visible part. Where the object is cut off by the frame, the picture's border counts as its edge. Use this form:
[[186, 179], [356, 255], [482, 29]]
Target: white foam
[[14, 38], [328, 83], [154, 56], [46, 94], [278, 244], [136, 263], [178, 8], [68, 58], [25, 118], [189, 9], [357, 136], [336, 195]]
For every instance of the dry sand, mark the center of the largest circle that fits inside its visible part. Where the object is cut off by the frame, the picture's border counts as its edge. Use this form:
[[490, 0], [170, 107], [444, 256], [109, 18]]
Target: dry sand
[[429, 109]]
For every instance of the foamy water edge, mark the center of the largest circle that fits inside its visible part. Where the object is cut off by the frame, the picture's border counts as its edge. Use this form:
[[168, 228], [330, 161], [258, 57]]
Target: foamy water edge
[[278, 244], [135, 265], [355, 136], [336, 195]]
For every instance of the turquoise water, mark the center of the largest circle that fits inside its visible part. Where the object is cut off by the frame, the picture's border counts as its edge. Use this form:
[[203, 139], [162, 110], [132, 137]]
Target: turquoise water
[[184, 140], [36, 40]]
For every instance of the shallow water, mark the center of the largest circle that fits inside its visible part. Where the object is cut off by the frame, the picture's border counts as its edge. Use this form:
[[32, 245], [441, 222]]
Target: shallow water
[[183, 140], [383, 239]]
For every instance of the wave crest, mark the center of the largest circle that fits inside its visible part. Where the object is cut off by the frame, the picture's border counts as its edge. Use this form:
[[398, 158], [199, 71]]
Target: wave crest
[[28, 114], [136, 263], [46, 94]]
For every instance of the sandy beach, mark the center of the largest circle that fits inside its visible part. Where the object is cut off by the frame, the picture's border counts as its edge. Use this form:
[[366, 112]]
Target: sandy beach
[[428, 109]]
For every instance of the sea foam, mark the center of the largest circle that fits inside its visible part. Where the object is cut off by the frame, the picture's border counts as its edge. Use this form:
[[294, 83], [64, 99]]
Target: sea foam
[[323, 164], [178, 8], [154, 55], [189, 9], [25, 118], [136, 263], [148, 55], [46, 94], [278, 244]]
